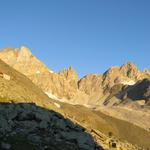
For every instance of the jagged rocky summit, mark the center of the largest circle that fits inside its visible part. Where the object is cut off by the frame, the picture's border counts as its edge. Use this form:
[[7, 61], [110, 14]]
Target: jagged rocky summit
[[29, 118], [110, 88]]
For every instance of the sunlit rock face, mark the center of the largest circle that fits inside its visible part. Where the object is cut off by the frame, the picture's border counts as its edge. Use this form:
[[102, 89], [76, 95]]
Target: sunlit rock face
[[22, 60], [92, 89], [117, 87], [23, 54]]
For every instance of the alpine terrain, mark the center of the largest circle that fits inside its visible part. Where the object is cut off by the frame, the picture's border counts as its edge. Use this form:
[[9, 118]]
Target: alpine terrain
[[45, 110]]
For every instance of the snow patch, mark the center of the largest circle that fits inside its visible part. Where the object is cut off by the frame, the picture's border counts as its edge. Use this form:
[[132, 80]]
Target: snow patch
[[7, 77], [50, 95], [57, 105], [86, 105], [54, 97], [131, 82], [51, 71], [38, 72]]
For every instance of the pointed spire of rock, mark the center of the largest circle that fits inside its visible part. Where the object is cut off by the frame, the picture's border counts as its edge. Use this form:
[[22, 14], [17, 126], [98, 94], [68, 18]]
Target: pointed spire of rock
[[69, 73], [25, 51], [23, 54], [129, 65], [129, 69]]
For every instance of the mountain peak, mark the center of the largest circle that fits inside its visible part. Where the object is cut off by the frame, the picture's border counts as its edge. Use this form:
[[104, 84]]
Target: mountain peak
[[71, 69], [129, 65], [25, 51], [69, 73], [23, 54], [129, 69]]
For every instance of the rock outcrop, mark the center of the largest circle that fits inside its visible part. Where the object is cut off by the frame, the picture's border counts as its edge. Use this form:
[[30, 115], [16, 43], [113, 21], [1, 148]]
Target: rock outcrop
[[14, 86], [65, 86], [62, 85], [106, 88], [27, 126], [29, 119], [139, 92], [37, 121]]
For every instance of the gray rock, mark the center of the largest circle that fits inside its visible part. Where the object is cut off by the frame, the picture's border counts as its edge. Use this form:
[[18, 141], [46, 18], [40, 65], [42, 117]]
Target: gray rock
[[25, 115], [4, 126], [5, 146], [42, 115], [28, 124], [28, 107], [34, 138], [43, 124], [84, 141], [61, 124], [11, 115], [3, 122]]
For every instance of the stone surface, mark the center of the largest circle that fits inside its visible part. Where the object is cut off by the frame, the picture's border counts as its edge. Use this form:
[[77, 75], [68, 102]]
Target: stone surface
[[26, 121], [66, 86], [5, 146], [41, 132]]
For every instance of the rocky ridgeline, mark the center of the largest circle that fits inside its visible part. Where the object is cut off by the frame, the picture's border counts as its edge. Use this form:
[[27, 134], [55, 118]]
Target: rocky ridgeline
[[93, 89], [26, 126]]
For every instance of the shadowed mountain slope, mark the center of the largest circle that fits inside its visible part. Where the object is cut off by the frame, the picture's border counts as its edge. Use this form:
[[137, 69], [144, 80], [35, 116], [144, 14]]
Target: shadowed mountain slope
[[20, 114], [27, 126], [20, 118]]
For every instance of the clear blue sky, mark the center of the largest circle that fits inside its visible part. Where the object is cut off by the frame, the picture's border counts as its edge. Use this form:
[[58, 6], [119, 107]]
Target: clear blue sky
[[90, 35]]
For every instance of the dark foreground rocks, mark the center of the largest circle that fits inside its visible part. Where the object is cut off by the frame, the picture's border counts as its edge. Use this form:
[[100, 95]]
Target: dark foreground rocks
[[29, 127]]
